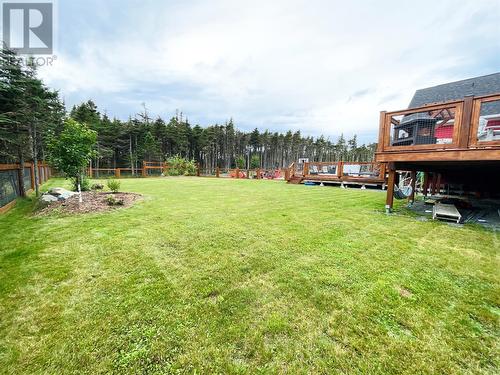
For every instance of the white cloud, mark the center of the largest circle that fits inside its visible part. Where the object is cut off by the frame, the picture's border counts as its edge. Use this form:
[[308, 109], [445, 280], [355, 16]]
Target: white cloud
[[318, 66]]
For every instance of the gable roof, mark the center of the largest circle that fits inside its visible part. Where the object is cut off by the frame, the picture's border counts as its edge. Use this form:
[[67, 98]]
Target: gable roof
[[484, 85]]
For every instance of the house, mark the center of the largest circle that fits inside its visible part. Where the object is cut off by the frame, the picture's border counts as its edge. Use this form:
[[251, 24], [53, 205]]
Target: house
[[451, 132]]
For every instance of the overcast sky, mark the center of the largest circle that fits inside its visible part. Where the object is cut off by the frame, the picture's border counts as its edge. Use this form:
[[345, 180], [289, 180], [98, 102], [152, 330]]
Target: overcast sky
[[322, 67]]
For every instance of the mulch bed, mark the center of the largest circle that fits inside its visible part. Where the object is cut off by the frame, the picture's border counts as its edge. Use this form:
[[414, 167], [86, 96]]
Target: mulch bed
[[92, 202]]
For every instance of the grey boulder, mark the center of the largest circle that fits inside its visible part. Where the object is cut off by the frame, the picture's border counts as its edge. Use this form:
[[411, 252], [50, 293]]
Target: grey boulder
[[60, 193], [48, 198]]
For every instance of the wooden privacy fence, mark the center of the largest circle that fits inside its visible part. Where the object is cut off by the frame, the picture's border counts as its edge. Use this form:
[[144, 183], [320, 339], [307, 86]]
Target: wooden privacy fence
[[11, 178]]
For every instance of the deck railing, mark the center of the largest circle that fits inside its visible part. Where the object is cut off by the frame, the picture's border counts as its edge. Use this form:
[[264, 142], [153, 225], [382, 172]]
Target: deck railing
[[290, 172], [339, 170], [473, 122]]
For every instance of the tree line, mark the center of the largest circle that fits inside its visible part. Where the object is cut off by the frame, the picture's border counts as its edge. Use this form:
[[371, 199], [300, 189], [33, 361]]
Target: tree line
[[141, 138], [30, 114]]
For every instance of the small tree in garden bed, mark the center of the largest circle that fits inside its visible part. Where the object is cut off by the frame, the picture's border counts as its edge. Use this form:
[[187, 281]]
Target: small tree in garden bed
[[71, 150]]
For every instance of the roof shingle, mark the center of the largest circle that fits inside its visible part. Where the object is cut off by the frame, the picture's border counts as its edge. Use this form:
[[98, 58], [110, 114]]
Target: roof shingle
[[484, 85]]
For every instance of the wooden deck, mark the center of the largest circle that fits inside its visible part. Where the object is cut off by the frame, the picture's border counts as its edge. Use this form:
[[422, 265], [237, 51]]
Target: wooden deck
[[344, 173], [457, 140]]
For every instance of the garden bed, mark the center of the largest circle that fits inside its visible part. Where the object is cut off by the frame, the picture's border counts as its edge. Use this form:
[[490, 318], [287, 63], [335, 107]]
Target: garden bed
[[92, 202]]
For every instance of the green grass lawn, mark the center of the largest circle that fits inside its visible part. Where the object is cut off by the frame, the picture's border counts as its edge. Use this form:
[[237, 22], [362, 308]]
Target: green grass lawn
[[243, 276]]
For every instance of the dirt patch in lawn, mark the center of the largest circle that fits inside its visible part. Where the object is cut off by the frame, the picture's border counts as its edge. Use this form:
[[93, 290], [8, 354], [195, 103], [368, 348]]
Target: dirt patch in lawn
[[92, 202], [403, 292]]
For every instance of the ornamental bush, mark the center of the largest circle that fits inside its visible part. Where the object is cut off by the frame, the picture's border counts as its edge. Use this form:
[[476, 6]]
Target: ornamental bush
[[178, 166], [113, 185]]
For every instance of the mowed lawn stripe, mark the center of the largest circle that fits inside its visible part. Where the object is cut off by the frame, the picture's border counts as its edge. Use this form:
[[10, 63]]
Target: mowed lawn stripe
[[244, 276]]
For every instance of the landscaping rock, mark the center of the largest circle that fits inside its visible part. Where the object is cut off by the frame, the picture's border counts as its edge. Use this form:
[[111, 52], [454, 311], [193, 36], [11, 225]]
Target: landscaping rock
[[48, 198], [61, 193]]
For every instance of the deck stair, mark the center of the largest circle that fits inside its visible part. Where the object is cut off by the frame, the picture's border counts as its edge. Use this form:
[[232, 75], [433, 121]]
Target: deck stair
[[448, 212], [295, 179]]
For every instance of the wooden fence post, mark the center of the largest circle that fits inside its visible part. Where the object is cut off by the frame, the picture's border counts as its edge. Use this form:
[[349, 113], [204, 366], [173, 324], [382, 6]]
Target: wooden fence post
[[144, 174], [237, 173], [217, 172], [118, 172], [32, 175], [20, 180], [198, 169], [248, 173]]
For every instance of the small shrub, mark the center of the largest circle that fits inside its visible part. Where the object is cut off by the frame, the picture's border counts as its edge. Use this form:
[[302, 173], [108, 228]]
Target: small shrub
[[111, 200], [179, 166], [84, 184], [113, 185], [240, 162], [97, 187], [255, 162]]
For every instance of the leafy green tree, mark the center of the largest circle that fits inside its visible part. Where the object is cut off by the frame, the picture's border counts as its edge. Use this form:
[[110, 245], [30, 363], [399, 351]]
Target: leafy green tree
[[72, 149], [255, 161], [240, 162]]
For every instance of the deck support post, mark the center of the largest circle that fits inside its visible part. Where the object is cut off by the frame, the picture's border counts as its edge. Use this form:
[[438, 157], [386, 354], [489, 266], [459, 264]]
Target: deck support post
[[438, 184], [389, 201], [413, 177], [425, 186], [434, 182]]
